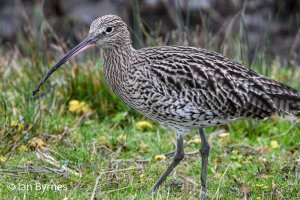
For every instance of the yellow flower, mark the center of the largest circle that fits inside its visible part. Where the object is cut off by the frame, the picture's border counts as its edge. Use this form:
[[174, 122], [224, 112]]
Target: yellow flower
[[274, 144], [36, 143], [223, 135], [160, 157], [196, 140], [74, 106], [121, 138], [140, 125], [22, 147], [14, 123], [19, 126], [142, 176], [260, 185], [85, 108], [3, 158], [79, 107]]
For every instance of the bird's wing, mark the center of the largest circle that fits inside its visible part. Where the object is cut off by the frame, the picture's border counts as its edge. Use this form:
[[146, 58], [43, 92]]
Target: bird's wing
[[212, 82]]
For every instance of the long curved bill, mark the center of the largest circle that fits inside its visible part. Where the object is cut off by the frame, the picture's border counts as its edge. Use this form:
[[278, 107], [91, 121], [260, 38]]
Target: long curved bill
[[85, 44]]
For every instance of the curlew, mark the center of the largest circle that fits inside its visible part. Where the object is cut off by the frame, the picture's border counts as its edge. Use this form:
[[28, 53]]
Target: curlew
[[182, 88]]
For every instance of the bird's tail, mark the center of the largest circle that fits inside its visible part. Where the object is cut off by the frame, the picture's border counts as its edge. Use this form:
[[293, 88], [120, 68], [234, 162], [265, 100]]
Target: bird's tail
[[287, 103], [285, 98]]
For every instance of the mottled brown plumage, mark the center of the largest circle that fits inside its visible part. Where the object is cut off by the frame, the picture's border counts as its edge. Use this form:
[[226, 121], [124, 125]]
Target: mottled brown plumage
[[183, 88]]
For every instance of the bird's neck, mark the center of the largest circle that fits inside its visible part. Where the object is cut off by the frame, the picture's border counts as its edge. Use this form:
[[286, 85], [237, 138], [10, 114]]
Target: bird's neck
[[116, 62], [117, 59]]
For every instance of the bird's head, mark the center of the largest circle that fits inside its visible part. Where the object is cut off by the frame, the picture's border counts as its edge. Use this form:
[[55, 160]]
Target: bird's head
[[108, 31]]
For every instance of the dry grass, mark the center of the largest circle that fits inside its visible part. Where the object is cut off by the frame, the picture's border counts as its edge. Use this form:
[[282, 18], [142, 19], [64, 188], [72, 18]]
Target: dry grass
[[101, 153]]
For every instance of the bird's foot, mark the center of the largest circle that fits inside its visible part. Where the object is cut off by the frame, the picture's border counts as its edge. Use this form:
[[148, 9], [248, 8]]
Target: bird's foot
[[203, 194]]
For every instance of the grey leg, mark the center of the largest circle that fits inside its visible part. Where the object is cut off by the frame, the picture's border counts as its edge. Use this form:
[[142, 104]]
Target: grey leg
[[178, 156], [204, 151]]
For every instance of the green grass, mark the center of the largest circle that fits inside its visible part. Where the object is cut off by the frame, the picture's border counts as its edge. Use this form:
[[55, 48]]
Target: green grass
[[106, 145], [42, 143]]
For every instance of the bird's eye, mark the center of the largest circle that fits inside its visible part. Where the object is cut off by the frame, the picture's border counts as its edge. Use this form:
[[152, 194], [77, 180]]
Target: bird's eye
[[108, 29]]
